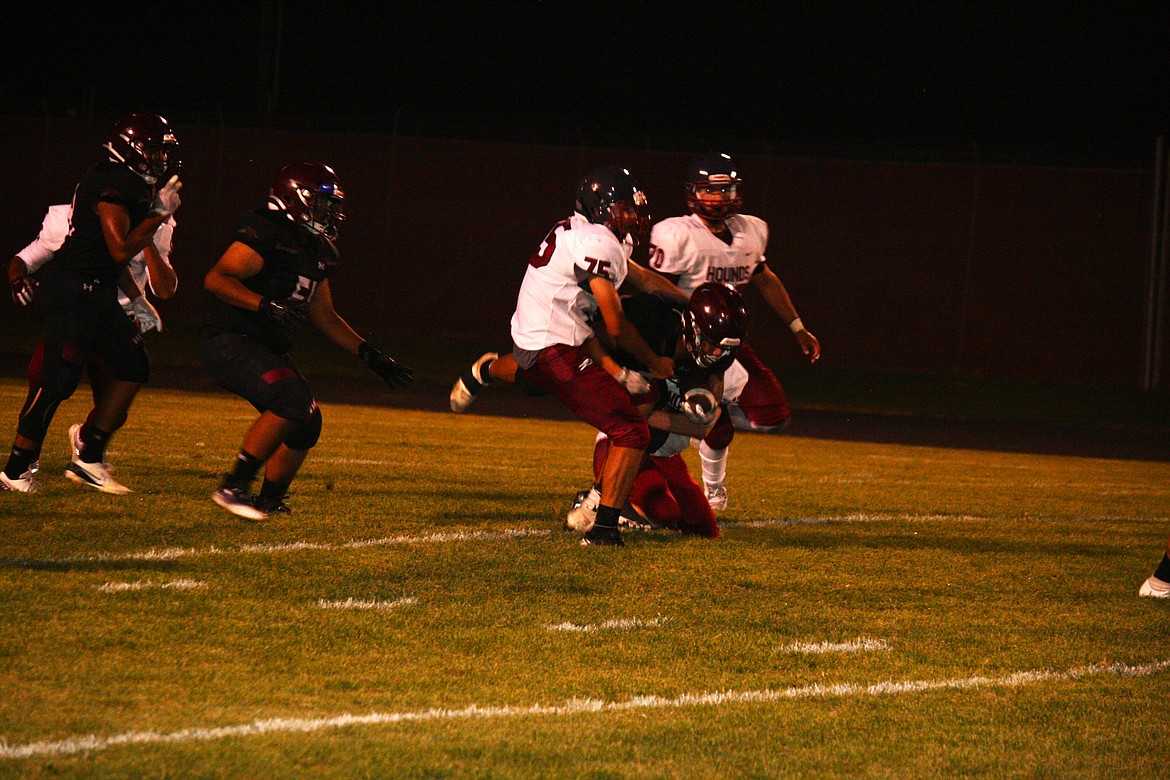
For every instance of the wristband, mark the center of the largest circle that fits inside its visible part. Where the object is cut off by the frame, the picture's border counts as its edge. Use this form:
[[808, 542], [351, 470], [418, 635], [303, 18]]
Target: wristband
[[796, 326]]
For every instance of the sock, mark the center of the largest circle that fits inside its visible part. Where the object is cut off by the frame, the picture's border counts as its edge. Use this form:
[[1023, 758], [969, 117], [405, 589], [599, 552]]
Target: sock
[[93, 443], [273, 490], [243, 471], [714, 463], [485, 373], [607, 517], [1163, 572], [19, 459]]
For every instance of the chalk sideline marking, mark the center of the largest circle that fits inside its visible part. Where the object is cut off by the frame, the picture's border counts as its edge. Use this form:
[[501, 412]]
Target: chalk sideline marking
[[370, 604], [92, 742], [609, 625], [176, 553], [117, 587], [861, 644]]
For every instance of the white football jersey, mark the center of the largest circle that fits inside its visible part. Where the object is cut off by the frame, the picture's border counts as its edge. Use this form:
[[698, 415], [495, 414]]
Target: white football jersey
[[685, 247], [55, 228], [553, 306]]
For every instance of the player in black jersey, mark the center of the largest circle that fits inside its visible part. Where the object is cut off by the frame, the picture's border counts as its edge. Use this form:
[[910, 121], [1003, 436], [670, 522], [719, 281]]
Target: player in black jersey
[[117, 207], [273, 277], [703, 340]]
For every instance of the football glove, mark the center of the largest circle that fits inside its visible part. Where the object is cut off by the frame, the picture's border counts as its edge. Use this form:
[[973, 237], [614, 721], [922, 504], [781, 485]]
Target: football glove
[[166, 200], [290, 314], [700, 405], [394, 373], [145, 315], [634, 382], [24, 289]]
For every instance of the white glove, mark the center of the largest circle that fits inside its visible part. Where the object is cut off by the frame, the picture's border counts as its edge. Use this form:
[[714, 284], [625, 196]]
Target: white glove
[[634, 382], [700, 405], [166, 200], [145, 315]]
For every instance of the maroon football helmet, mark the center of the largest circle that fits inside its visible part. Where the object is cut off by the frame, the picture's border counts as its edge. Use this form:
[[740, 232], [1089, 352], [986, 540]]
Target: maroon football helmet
[[715, 324], [714, 174], [310, 194], [145, 144], [609, 196]]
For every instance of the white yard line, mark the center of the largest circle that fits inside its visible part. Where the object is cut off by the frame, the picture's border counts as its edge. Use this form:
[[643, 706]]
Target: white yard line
[[609, 625], [116, 587], [367, 604], [861, 644], [93, 742]]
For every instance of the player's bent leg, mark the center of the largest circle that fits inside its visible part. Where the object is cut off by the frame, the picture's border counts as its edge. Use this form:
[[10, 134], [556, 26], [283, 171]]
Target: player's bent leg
[[472, 382], [762, 403], [695, 515]]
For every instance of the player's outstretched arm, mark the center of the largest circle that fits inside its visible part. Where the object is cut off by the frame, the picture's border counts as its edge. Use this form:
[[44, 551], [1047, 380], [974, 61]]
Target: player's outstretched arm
[[775, 293], [337, 330]]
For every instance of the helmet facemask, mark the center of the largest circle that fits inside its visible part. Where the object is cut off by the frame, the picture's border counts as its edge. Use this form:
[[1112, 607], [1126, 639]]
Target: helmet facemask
[[715, 323], [145, 144], [716, 198], [310, 195]]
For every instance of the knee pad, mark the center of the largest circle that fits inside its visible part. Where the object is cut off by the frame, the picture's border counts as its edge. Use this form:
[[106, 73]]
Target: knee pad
[[305, 435], [721, 433], [292, 399], [38, 413], [60, 374]]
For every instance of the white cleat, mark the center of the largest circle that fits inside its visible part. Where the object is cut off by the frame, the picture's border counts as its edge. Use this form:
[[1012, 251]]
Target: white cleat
[[468, 386], [1154, 588], [25, 483], [237, 501], [716, 496], [583, 515], [96, 476]]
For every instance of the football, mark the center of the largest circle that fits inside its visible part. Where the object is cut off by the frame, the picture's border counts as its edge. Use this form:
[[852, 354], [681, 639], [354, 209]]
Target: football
[[700, 405]]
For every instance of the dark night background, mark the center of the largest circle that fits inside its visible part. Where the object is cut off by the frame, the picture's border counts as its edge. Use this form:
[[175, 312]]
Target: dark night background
[[1017, 82], [942, 180]]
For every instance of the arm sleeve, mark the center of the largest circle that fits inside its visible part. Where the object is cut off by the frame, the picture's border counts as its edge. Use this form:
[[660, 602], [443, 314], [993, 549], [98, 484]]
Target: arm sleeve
[[54, 228]]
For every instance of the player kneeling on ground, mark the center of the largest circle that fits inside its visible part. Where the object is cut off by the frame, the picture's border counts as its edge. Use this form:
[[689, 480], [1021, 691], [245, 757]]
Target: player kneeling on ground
[[272, 278], [703, 340]]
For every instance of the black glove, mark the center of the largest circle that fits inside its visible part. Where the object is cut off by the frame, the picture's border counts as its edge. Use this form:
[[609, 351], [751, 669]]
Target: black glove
[[395, 374], [290, 314], [24, 289]]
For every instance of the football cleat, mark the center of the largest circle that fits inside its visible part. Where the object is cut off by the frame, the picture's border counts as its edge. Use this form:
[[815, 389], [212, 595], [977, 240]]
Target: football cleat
[[1154, 588], [583, 514], [75, 442], [468, 386], [633, 520], [716, 496], [25, 483], [273, 505], [603, 536], [96, 476], [239, 503]]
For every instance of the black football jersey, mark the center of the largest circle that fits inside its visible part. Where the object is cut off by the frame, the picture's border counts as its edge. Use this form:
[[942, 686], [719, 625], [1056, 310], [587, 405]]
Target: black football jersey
[[84, 251], [296, 261]]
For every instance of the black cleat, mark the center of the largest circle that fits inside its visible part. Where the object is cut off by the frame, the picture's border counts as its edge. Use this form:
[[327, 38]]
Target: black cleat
[[603, 536]]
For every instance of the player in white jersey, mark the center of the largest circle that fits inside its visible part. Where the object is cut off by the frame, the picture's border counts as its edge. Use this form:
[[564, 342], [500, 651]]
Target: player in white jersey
[[150, 269], [715, 243], [570, 286]]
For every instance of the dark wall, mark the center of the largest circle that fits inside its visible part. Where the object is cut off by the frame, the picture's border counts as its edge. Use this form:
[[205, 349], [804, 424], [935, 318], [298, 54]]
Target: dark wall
[[971, 269]]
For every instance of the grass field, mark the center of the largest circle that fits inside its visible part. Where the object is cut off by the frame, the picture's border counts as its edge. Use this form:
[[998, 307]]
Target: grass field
[[872, 610]]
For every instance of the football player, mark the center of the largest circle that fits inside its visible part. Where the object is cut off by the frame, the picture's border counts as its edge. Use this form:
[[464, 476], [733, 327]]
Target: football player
[[1157, 585], [150, 269], [703, 338], [570, 286], [715, 243], [118, 207], [273, 277]]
